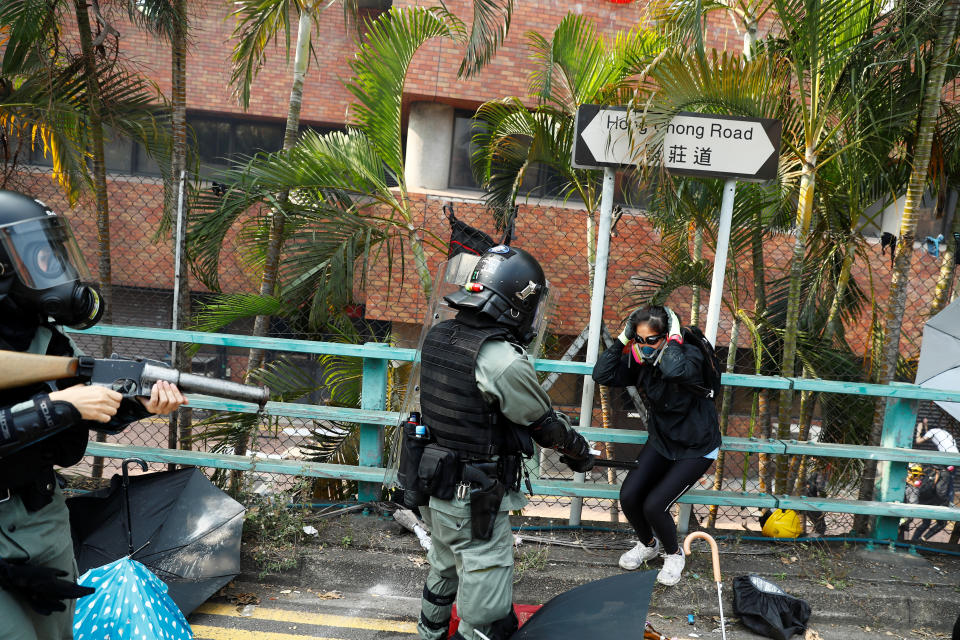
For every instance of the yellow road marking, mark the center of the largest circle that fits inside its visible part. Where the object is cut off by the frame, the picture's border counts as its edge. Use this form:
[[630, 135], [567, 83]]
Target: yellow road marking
[[203, 632], [319, 619]]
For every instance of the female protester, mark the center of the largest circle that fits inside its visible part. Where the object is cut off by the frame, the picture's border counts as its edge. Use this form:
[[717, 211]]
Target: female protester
[[684, 432]]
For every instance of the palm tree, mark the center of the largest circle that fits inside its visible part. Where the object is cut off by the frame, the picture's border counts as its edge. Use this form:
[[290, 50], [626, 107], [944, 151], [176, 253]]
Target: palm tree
[[259, 22], [343, 213], [920, 162], [821, 39]]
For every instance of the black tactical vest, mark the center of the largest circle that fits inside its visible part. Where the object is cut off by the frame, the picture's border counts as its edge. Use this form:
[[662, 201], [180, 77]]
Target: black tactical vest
[[451, 403]]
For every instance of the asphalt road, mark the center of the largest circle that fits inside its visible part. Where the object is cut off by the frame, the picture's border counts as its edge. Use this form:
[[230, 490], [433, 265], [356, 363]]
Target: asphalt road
[[376, 612]]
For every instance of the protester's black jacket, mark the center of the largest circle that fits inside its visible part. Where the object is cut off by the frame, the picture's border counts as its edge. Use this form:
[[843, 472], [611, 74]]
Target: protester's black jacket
[[682, 424]]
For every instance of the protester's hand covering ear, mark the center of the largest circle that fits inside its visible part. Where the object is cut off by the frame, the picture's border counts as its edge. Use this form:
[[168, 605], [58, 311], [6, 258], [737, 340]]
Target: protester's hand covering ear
[[629, 328], [673, 326]]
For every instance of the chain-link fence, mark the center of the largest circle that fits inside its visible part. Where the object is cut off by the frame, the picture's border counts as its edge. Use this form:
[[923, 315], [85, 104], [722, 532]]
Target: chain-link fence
[[558, 235]]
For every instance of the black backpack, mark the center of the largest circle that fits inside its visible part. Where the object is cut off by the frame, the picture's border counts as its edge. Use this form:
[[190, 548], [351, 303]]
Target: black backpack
[[710, 369]]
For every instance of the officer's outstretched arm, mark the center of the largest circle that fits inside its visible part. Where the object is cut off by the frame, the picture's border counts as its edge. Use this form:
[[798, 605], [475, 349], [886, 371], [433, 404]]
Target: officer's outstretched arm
[[553, 431]]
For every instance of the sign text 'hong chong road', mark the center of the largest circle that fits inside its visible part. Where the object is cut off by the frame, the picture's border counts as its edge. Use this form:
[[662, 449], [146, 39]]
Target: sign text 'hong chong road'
[[694, 143]]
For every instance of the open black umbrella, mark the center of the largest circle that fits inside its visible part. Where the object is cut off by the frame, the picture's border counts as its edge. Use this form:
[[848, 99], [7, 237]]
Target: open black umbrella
[[614, 607], [178, 524]]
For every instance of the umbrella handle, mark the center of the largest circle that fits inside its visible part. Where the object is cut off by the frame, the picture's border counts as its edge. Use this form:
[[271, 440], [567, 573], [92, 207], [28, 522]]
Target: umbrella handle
[[714, 551]]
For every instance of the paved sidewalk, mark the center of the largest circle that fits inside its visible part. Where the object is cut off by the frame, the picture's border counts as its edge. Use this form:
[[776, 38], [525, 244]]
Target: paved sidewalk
[[878, 593]]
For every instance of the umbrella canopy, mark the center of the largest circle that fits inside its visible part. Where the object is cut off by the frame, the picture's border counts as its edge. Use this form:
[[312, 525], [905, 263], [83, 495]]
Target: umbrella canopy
[[130, 603], [614, 607], [184, 529], [939, 365]]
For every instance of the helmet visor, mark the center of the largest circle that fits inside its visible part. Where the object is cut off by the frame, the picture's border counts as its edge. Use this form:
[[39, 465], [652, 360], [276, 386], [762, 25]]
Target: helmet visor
[[43, 252]]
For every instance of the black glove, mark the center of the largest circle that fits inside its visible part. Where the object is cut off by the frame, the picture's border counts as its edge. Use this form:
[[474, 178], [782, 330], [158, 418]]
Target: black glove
[[578, 465], [42, 587]]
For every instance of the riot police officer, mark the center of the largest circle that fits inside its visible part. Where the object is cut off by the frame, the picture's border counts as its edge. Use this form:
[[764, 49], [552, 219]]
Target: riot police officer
[[44, 284], [483, 405]]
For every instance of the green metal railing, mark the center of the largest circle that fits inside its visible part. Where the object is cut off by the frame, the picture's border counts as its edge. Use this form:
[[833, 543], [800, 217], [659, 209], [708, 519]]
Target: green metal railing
[[893, 455]]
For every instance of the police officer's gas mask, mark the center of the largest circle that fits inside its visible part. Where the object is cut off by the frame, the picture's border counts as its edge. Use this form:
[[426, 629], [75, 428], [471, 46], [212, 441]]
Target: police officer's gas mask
[[43, 272]]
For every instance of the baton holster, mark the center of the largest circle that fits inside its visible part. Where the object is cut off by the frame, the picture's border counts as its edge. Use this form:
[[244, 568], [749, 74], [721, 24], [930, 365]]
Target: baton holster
[[486, 494]]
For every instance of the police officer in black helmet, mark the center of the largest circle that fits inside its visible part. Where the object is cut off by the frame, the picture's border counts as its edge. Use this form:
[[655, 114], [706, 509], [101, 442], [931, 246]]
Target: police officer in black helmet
[[43, 285], [483, 405]]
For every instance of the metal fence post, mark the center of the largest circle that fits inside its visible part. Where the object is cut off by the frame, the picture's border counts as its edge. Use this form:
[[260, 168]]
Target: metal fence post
[[373, 396], [899, 422]]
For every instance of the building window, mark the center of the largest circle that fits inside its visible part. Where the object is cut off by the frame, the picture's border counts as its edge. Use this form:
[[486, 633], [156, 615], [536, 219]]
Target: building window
[[461, 176], [220, 143]]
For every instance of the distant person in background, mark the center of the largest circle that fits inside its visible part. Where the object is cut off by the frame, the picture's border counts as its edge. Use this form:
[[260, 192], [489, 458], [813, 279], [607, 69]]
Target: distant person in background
[[932, 485], [940, 438], [944, 442]]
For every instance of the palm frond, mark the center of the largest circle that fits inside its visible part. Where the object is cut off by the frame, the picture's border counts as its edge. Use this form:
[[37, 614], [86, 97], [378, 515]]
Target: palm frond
[[258, 24], [226, 309], [157, 16], [24, 27], [488, 30], [379, 70]]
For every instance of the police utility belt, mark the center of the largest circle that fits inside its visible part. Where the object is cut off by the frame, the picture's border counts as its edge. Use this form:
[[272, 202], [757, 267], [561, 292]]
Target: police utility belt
[[428, 469], [36, 493]]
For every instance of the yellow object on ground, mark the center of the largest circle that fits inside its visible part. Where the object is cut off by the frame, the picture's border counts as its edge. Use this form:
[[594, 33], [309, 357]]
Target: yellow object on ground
[[783, 524]]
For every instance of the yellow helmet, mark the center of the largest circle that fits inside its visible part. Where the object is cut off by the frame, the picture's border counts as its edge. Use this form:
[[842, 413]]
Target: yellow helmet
[[783, 524], [915, 474]]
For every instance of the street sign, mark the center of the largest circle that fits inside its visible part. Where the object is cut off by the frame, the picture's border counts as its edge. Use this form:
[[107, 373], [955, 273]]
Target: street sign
[[696, 144]]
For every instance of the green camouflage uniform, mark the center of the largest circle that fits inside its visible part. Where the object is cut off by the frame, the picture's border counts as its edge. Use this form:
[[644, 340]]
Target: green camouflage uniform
[[479, 573]]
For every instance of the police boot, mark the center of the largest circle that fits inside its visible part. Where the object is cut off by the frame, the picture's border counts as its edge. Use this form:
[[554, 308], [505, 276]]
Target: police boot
[[505, 627]]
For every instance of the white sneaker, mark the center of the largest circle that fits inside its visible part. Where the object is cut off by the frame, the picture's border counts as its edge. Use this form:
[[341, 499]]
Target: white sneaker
[[638, 555], [672, 568]]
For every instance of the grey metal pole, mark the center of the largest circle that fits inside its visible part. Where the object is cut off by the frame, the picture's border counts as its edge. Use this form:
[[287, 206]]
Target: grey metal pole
[[716, 295], [720, 261], [596, 316], [176, 267]]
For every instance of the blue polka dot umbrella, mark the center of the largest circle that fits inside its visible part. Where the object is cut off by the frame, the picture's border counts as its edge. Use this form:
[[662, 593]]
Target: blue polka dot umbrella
[[130, 603]]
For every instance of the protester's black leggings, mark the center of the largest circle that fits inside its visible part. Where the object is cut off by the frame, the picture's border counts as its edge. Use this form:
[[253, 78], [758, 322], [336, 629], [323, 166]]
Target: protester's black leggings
[[649, 491]]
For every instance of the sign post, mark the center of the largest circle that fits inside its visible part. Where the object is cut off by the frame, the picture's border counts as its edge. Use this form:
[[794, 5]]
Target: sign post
[[695, 144]]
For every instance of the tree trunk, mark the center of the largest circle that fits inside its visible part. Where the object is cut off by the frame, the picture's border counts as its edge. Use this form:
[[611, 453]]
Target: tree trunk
[[99, 184], [896, 303], [179, 427], [808, 399], [607, 449], [760, 409], [791, 329], [697, 254], [948, 267], [271, 267], [275, 240]]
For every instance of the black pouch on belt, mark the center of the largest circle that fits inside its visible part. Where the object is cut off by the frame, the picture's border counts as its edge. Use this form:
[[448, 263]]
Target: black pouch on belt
[[411, 452], [437, 473], [485, 500]]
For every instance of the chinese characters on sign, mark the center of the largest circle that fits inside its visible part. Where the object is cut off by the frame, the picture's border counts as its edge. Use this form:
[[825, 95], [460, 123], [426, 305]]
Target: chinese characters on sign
[[691, 143]]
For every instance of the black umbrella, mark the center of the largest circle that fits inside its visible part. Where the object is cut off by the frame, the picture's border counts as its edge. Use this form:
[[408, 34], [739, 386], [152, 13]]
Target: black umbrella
[[614, 607], [182, 527]]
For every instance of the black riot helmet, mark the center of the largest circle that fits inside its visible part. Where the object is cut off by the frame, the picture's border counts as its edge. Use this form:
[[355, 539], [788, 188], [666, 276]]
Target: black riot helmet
[[507, 286], [42, 273]]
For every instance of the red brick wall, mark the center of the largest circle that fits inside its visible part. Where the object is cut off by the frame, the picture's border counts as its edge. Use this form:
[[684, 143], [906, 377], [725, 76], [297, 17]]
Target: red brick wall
[[433, 74]]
